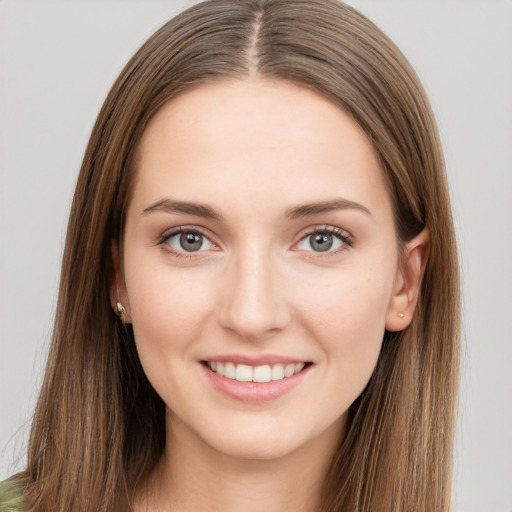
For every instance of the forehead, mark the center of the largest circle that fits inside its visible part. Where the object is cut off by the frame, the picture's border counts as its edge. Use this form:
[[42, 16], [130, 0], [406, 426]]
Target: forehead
[[239, 140]]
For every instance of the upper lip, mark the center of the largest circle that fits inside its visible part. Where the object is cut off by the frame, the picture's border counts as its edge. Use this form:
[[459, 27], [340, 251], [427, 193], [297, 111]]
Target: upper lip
[[255, 360]]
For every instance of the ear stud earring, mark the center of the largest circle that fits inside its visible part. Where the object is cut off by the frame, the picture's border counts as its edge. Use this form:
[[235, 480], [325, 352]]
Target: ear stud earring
[[120, 308], [401, 315]]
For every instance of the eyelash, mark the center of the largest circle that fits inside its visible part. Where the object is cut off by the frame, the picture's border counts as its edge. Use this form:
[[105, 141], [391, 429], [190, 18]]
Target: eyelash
[[341, 235]]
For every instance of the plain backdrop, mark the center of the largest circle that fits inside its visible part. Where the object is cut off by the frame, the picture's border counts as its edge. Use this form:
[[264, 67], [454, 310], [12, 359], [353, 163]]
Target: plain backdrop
[[58, 59]]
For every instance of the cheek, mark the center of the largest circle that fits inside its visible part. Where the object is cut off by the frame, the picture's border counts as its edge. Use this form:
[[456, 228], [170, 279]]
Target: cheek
[[347, 319], [350, 302], [167, 309], [168, 315]]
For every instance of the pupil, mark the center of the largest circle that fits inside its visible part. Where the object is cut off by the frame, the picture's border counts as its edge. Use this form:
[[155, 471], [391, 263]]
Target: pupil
[[191, 241], [322, 242]]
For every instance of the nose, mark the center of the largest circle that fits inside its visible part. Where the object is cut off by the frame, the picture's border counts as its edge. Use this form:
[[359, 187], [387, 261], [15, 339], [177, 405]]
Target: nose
[[253, 299]]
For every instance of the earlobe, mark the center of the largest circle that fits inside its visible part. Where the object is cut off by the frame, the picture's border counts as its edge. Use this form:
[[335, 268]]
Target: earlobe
[[118, 295], [408, 282]]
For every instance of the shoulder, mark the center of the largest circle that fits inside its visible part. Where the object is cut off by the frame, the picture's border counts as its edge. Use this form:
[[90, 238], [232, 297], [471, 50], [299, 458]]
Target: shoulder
[[11, 496]]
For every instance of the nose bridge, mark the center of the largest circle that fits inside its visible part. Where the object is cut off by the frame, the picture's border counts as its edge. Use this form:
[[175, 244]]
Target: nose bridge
[[253, 300]]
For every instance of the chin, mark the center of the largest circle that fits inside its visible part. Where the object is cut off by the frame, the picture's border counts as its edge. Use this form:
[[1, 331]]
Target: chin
[[263, 449], [269, 440]]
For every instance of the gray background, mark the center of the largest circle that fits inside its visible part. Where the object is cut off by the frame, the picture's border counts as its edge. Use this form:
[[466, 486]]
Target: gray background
[[59, 58]]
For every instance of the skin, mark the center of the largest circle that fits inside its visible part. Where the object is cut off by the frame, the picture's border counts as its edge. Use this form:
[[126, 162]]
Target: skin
[[252, 151]]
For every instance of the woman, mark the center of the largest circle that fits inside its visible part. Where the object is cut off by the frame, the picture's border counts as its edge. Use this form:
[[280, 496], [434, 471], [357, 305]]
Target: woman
[[259, 293]]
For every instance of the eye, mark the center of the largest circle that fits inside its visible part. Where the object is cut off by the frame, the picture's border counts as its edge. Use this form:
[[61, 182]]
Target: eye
[[324, 240], [188, 241]]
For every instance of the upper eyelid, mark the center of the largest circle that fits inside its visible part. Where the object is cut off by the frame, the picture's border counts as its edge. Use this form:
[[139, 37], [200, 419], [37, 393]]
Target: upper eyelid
[[324, 228], [168, 233]]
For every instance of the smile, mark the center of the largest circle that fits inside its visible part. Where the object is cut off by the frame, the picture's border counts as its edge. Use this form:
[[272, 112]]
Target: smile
[[256, 383], [262, 373]]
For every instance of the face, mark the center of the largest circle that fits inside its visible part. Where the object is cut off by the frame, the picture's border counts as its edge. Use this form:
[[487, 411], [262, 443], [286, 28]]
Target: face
[[260, 265]]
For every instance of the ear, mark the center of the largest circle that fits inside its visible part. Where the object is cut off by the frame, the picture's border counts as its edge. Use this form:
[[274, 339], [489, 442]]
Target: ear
[[118, 293], [408, 282]]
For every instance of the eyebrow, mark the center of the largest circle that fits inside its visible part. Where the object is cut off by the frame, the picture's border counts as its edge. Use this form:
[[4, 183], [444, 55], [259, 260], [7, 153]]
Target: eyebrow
[[317, 208], [172, 206], [297, 212]]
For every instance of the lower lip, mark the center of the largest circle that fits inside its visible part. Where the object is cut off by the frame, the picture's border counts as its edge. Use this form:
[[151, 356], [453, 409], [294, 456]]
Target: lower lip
[[254, 392]]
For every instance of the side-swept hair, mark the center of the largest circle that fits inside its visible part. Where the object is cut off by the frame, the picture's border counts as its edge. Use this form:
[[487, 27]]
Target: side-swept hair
[[99, 426]]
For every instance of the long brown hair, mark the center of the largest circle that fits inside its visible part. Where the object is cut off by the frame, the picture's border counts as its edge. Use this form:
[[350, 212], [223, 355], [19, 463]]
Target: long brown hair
[[99, 427]]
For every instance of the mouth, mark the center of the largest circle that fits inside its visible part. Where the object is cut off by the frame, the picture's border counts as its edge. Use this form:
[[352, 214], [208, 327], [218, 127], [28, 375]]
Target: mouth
[[259, 374]]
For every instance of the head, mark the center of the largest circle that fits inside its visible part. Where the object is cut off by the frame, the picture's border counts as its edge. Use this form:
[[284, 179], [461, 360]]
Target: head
[[400, 419]]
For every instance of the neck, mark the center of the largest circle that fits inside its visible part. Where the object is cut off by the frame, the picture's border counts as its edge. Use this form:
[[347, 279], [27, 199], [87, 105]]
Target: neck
[[193, 476]]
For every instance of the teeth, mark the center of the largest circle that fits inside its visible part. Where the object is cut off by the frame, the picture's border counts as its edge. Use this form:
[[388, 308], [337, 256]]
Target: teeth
[[243, 373], [229, 370], [277, 372], [289, 369], [263, 373]]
